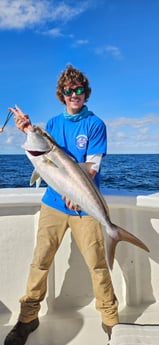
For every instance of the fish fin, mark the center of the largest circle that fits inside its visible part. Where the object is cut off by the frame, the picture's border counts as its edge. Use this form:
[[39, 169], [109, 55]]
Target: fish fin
[[121, 235], [49, 160], [111, 246], [35, 178], [38, 182]]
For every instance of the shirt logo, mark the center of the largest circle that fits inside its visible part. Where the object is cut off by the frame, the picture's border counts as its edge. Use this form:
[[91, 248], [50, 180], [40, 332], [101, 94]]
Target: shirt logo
[[81, 141]]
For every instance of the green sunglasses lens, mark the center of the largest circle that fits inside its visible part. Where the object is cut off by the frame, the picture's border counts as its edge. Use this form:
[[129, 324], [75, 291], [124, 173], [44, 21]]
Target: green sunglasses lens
[[67, 92], [78, 91]]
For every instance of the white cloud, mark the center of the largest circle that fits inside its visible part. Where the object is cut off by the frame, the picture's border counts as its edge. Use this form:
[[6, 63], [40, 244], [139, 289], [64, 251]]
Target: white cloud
[[56, 32], [12, 139], [107, 50], [134, 122], [144, 130], [136, 135], [125, 135], [21, 14], [121, 135], [81, 42], [113, 50], [9, 140]]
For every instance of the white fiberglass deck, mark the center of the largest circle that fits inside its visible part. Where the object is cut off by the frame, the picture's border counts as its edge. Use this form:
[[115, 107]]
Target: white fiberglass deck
[[68, 314]]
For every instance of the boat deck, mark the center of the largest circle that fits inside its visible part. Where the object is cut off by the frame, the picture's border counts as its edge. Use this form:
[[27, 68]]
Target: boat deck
[[68, 314]]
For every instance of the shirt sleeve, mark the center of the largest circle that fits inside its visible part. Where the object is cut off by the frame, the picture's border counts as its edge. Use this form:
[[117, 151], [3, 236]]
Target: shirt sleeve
[[49, 126], [97, 143], [95, 160]]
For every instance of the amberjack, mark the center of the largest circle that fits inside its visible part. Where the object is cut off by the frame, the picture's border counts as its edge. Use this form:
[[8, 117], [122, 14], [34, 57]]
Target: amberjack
[[71, 179]]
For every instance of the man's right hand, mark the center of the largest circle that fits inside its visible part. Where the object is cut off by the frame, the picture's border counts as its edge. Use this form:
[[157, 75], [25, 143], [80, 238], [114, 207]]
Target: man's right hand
[[22, 120]]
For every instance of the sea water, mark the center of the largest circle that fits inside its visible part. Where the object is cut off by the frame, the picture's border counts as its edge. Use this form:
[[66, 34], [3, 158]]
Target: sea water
[[120, 173]]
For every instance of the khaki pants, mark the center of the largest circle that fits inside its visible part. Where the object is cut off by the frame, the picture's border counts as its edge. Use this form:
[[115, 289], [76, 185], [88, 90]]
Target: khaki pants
[[89, 238]]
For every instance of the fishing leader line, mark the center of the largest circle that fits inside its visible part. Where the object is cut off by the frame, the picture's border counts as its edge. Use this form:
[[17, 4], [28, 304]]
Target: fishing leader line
[[9, 115]]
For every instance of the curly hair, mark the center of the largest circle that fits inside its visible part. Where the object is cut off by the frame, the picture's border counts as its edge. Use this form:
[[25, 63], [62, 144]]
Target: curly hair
[[70, 76]]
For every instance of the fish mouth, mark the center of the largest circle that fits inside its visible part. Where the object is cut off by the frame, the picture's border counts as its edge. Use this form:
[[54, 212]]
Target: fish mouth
[[37, 153]]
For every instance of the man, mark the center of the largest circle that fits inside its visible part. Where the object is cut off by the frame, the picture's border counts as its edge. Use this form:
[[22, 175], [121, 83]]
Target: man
[[82, 135]]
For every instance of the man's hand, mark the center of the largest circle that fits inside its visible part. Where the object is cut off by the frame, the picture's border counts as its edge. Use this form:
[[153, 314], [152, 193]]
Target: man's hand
[[70, 204], [22, 120]]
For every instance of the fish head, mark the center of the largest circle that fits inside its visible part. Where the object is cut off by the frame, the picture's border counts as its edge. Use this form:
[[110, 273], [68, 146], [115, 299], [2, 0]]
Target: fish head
[[37, 143]]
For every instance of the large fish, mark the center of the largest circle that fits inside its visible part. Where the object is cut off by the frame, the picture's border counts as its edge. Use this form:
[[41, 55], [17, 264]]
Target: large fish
[[71, 179]]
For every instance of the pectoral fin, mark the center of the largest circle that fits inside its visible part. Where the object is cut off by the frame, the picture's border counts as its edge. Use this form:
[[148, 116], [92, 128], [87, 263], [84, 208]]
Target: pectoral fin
[[35, 178]]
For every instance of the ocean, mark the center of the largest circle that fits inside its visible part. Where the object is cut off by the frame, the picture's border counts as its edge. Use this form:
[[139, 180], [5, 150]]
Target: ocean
[[121, 174]]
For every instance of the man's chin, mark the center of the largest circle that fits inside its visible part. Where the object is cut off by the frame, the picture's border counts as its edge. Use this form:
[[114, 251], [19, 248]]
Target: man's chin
[[76, 108]]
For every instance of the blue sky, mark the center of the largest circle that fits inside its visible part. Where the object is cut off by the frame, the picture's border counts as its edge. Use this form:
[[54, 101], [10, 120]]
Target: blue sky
[[114, 42]]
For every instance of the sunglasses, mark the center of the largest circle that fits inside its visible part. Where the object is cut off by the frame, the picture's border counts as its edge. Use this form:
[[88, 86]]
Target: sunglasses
[[79, 90]]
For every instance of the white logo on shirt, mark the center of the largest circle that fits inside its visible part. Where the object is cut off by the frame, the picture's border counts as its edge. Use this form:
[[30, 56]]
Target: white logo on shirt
[[81, 141]]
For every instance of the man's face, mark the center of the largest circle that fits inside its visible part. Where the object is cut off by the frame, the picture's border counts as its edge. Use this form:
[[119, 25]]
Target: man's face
[[74, 97]]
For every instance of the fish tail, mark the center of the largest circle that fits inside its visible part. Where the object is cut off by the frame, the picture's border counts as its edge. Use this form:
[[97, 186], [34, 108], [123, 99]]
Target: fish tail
[[121, 235]]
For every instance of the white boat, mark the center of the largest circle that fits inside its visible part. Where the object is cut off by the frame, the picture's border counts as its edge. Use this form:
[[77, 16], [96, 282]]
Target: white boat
[[68, 314]]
